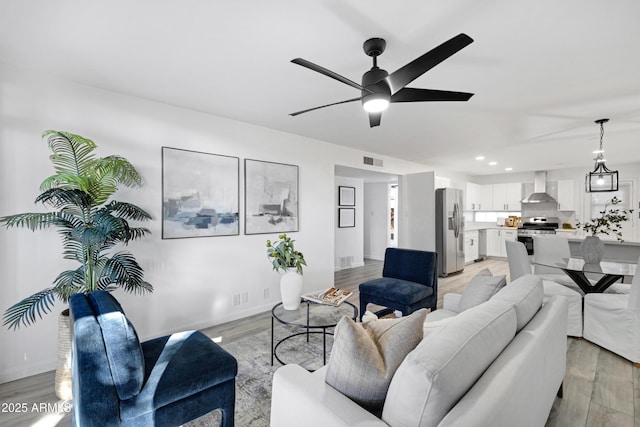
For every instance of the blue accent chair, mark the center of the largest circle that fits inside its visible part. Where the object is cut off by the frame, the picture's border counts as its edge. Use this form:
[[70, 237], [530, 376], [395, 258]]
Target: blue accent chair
[[167, 381], [409, 282]]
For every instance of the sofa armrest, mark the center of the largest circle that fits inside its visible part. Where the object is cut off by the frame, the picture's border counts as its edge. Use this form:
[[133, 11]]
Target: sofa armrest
[[300, 397], [451, 302]]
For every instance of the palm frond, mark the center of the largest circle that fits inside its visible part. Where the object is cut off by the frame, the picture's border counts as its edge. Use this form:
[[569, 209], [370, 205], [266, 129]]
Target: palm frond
[[59, 198], [68, 181], [128, 211], [33, 220], [123, 270], [68, 283], [24, 312], [120, 170], [71, 153], [110, 172]]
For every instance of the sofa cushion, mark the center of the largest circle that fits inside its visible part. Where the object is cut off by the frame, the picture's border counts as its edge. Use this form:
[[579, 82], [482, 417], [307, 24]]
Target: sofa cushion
[[124, 353], [482, 287], [365, 356], [526, 294], [398, 290], [441, 369], [436, 320]]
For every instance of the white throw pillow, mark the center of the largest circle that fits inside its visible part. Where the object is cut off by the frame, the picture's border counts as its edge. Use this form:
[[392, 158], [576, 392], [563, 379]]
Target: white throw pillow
[[365, 356], [482, 287]]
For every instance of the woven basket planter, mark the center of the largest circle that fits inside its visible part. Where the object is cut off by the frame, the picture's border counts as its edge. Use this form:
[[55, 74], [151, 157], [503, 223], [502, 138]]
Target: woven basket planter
[[63, 366]]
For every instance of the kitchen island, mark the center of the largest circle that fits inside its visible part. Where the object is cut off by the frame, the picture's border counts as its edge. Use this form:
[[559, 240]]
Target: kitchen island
[[627, 251]]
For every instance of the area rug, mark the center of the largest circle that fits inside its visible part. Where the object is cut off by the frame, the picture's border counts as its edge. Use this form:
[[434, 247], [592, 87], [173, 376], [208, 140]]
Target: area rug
[[255, 373]]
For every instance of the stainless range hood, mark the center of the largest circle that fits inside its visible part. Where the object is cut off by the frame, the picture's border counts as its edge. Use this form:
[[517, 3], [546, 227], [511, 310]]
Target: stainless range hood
[[539, 194]]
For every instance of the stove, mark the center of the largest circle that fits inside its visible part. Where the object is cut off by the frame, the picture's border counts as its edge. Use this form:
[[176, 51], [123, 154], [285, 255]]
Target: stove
[[536, 225]]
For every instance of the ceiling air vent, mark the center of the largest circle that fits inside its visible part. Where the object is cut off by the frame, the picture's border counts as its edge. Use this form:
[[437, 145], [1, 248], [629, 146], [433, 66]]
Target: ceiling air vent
[[372, 162]]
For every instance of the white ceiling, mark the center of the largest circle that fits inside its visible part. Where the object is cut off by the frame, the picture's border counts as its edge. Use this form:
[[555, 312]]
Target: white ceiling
[[542, 71]]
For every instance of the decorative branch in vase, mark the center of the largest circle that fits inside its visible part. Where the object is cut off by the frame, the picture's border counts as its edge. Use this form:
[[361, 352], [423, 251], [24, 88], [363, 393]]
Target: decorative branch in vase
[[608, 223]]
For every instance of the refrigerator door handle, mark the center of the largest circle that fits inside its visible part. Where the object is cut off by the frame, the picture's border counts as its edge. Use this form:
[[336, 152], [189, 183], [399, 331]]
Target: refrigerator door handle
[[456, 220]]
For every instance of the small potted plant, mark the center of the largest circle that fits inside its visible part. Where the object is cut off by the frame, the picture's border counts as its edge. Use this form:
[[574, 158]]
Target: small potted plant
[[608, 223], [284, 257]]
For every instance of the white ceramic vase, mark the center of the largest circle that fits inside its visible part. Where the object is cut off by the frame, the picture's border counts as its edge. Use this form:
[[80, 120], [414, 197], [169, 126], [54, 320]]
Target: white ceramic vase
[[291, 289], [592, 250]]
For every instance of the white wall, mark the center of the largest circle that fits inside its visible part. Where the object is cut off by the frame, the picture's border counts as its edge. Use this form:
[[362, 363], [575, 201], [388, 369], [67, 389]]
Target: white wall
[[349, 250], [376, 221], [194, 279], [416, 205]]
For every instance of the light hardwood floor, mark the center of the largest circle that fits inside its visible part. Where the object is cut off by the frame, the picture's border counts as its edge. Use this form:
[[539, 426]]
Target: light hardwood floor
[[600, 388]]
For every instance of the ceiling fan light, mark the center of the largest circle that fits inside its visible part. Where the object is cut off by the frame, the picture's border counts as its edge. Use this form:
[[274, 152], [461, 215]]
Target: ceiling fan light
[[375, 103]]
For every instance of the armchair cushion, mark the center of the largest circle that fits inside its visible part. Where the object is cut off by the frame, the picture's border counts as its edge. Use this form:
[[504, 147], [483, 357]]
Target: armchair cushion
[[482, 287], [397, 290], [365, 356], [123, 349], [178, 366]]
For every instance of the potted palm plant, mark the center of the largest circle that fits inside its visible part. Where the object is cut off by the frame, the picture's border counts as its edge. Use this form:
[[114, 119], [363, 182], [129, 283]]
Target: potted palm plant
[[90, 225], [607, 223], [285, 257]]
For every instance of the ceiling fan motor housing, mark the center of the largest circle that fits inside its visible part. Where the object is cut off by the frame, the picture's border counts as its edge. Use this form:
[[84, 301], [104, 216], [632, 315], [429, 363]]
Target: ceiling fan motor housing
[[375, 84]]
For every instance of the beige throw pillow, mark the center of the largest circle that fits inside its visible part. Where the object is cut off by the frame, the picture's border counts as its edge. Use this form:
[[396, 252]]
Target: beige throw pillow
[[365, 356], [482, 287]]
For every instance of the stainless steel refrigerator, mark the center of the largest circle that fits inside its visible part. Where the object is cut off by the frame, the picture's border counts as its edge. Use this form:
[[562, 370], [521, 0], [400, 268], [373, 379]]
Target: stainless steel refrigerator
[[449, 231]]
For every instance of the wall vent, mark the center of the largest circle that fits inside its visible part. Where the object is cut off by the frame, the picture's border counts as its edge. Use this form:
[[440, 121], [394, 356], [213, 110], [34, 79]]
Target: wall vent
[[372, 162], [346, 261]]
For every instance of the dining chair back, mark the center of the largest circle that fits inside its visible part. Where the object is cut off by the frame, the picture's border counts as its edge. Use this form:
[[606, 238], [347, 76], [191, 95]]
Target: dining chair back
[[519, 263], [549, 248]]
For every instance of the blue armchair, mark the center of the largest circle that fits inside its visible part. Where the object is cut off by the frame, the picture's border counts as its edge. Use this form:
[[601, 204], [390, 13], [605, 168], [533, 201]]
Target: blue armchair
[[409, 282], [167, 381]]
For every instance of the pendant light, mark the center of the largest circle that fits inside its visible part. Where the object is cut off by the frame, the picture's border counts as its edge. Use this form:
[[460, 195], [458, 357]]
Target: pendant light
[[601, 178]]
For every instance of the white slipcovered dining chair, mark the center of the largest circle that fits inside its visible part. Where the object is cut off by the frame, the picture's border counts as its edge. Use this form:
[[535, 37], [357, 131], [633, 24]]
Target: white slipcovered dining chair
[[612, 321], [520, 265]]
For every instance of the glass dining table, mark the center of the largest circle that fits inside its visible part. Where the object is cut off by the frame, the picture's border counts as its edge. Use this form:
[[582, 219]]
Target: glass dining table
[[577, 269]]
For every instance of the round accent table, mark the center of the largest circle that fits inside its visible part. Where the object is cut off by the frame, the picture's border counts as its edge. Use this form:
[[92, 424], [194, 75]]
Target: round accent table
[[310, 318]]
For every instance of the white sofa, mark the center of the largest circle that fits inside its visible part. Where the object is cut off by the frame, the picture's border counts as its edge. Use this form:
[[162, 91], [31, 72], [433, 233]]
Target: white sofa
[[500, 363]]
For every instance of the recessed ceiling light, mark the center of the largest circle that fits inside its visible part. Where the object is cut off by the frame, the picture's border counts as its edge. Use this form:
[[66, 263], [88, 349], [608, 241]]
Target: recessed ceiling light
[[493, 163], [479, 157], [508, 169]]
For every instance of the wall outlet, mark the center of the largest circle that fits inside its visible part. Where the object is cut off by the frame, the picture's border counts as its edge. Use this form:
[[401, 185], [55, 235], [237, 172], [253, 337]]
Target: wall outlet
[[265, 293], [245, 298], [236, 299]]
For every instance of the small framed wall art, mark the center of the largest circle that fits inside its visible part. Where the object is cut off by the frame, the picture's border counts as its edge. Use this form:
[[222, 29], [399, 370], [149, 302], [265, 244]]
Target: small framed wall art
[[346, 217], [200, 194], [271, 197], [346, 196]]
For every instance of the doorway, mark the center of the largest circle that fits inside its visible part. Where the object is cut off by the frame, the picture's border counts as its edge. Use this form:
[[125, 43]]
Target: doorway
[[375, 228]]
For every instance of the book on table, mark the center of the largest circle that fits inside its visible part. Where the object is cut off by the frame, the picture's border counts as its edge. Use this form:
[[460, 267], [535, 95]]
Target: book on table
[[332, 296]]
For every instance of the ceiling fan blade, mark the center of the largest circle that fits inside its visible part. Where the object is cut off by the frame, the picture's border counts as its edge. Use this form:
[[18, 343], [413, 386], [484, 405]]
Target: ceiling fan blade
[[409, 94], [374, 119], [322, 106], [328, 73], [414, 69]]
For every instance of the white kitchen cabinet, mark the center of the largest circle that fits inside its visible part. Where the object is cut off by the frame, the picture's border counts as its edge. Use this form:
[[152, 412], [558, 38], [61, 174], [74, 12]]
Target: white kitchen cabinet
[[478, 197], [506, 197], [566, 195], [471, 246], [496, 239]]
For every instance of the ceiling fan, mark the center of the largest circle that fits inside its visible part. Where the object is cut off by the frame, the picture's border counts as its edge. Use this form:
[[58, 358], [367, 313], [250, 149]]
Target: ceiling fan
[[379, 88]]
